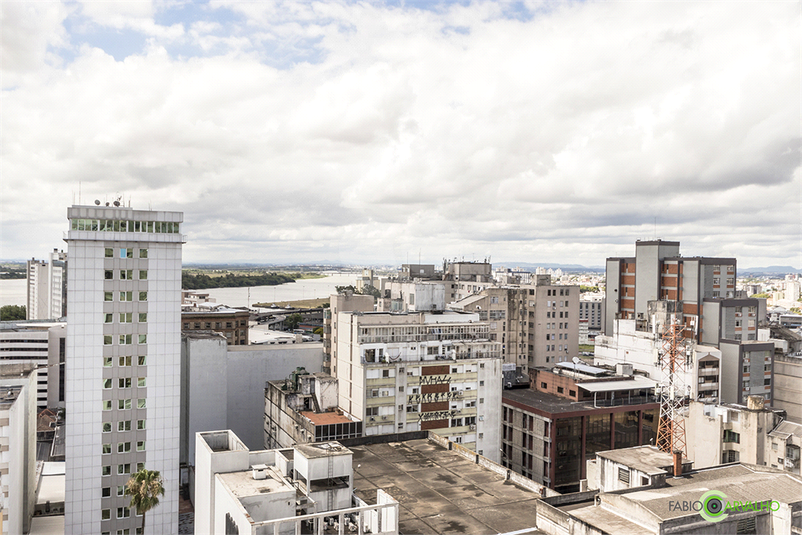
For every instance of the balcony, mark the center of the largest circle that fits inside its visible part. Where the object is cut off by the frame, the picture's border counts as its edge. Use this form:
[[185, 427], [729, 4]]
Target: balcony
[[708, 372]]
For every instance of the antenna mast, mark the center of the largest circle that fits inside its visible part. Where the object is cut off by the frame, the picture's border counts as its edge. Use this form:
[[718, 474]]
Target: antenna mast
[[673, 361]]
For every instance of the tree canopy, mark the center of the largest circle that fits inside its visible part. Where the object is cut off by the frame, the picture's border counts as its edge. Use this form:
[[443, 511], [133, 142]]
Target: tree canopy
[[12, 312], [201, 281], [144, 487]]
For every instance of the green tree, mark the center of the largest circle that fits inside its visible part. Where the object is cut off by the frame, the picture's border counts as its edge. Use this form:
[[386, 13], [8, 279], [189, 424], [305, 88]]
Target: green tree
[[144, 488], [292, 321], [318, 331], [12, 313]]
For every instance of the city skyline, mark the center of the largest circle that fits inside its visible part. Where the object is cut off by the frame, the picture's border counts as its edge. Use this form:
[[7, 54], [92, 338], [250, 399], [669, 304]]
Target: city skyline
[[383, 133]]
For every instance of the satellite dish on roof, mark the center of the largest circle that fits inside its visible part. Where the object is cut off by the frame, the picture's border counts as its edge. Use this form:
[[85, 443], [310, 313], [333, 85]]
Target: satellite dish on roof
[[97, 202]]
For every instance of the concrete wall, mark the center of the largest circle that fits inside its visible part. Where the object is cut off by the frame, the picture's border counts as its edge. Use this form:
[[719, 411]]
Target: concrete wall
[[204, 389], [224, 387], [788, 386], [248, 368]]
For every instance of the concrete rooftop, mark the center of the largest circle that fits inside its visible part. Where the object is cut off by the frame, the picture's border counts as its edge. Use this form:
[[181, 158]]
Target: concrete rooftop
[[440, 491], [647, 459]]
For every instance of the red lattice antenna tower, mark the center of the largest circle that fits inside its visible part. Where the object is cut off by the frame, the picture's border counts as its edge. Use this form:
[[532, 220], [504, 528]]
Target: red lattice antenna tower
[[673, 361]]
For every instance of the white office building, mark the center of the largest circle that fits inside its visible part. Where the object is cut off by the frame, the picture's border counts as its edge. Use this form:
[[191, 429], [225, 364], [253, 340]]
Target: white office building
[[123, 365], [47, 288]]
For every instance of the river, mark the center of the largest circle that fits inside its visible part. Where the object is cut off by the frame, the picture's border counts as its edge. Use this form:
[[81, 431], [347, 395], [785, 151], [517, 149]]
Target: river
[[14, 291]]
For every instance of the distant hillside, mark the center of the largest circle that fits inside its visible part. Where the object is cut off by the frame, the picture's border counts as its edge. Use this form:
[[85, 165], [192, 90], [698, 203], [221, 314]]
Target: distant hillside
[[770, 270]]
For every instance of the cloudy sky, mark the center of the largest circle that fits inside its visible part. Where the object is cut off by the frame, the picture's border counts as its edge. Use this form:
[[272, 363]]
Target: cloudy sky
[[377, 132]]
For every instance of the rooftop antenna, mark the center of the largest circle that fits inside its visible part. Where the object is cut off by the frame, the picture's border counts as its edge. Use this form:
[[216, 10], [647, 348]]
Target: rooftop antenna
[[79, 192]]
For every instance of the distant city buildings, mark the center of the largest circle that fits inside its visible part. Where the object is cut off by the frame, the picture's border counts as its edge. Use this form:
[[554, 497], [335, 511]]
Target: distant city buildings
[[537, 325], [230, 322], [47, 287]]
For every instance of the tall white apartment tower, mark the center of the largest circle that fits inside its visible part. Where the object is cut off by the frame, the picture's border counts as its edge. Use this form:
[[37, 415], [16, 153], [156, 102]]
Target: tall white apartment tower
[[123, 365]]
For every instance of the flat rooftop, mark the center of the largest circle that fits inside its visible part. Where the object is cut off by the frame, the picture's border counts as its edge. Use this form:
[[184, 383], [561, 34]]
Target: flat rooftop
[[737, 482], [242, 485], [439, 491], [552, 404], [647, 459], [321, 449]]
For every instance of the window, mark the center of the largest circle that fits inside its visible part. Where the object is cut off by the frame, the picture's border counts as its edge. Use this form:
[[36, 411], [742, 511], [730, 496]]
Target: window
[[105, 492], [143, 253], [124, 404], [124, 425], [126, 296], [141, 360], [143, 296], [140, 403], [481, 383], [126, 253], [109, 252], [107, 427], [126, 274], [107, 362], [731, 436], [140, 466], [143, 338], [385, 373], [105, 470], [126, 317], [107, 384], [123, 512], [107, 405], [108, 318], [125, 361], [108, 274], [140, 445], [140, 382], [143, 317], [124, 468], [140, 424], [766, 382], [105, 514], [143, 274], [123, 447], [120, 490], [125, 339]]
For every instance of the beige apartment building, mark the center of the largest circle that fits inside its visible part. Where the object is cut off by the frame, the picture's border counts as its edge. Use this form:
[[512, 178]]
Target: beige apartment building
[[421, 371], [536, 324], [751, 433]]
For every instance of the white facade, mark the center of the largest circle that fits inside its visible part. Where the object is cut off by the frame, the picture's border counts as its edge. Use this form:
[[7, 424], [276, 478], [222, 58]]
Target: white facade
[[412, 372], [46, 287], [17, 447], [123, 364], [32, 342], [223, 387], [277, 491], [642, 349]]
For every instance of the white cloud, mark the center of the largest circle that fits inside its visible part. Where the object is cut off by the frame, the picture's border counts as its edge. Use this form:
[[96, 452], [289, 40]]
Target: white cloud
[[354, 131]]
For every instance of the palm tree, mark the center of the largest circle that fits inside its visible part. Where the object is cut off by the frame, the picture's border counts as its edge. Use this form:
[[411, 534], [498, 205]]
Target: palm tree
[[144, 488]]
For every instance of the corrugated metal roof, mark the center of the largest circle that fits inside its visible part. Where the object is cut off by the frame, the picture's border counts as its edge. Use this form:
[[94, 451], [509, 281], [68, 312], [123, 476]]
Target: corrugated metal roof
[[786, 429], [583, 368]]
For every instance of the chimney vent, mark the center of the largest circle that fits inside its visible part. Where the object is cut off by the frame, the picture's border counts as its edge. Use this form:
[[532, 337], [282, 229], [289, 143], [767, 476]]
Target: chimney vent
[[260, 471], [677, 463]]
